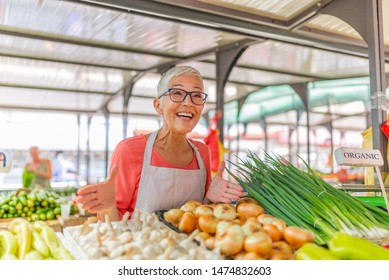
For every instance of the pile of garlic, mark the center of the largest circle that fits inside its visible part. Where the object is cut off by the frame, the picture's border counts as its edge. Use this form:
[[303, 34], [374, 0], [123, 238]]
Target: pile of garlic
[[143, 237]]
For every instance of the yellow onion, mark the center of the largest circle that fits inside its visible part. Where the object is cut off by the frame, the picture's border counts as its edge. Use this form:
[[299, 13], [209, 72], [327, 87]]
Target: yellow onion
[[210, 243], [247, 210], [188, 222], [281, 225], [297, 236], [252, 220], [283, 247], [238, 222], [239, 256], [202, 236], [225, 212], [222, 227], [277, 255], [173, 216], [252, 256], [208, 223], [273, 232], [265, 219], [245, 200], [231, 242], [259, 243], [251, 228], [190, 206], [203, 209]]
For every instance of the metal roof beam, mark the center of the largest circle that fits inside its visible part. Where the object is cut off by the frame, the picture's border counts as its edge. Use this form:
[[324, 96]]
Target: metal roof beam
[[238, 26], [5, 30], [68, 61], [54, 89], [62, 110]]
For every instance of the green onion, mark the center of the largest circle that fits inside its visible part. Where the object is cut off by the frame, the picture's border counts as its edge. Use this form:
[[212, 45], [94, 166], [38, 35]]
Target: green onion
[[302, 198]]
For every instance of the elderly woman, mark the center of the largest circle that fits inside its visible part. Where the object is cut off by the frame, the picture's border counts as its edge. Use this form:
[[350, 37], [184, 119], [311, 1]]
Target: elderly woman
[[164, 169]]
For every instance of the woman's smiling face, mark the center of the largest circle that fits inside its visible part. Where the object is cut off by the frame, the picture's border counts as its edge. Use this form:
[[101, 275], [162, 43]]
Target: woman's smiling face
[[181, 117]]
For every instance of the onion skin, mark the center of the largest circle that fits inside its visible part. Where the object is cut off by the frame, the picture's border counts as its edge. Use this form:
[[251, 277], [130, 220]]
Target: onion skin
[[277, 255], [202, 236], [222, 227], [273, 232], [259, 243], [173, 216], [188, 222], [231, 242], [210, 243], [225, 212], [245, 200], [247, 210], [281, 225], [252, 256], [297, 237], [203, 209], [208, 223], [190, 206], [251, 228], [283, 247], [266, 219], [252, 220]]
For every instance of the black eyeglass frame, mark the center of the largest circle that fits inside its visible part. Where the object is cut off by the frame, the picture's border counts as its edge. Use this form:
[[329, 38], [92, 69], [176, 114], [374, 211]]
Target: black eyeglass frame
[[186, 94]]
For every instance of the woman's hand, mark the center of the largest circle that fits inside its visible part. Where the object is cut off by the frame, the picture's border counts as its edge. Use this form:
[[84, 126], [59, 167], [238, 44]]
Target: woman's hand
[[100, 196], [222, 190]]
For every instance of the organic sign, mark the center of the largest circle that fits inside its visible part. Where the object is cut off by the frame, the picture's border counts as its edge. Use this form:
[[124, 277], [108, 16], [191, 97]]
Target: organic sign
[[358, 157]]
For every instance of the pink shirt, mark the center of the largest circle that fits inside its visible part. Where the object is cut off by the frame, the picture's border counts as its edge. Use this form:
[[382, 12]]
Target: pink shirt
[[128, 156]]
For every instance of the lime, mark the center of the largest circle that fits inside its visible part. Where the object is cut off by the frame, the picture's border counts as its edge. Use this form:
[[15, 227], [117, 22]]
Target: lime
[[34, 217], [44, 203], [26, 209], [5, 207], [12, 210], [19, 211], [57, 210], [30, 203], [50, 215], [23, 200], [42, 217], [31, 196], [19, 206], [23, 214]]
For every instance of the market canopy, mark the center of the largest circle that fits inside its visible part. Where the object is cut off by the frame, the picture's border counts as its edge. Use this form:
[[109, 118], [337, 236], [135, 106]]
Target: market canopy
[[82, 56]]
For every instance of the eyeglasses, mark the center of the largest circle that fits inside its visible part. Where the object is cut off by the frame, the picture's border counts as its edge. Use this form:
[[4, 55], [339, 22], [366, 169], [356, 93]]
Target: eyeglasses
[[179, 95]]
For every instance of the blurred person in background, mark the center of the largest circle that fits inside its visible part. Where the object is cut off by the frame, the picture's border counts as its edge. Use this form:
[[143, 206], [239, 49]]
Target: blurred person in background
[[164, 169], [40, 168]]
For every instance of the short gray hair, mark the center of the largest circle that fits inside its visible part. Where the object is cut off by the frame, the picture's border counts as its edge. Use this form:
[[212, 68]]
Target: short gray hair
[[163, 84]]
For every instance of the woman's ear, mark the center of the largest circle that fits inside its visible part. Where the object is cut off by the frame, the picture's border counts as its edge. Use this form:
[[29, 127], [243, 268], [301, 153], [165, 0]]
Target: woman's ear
[[158, 106]]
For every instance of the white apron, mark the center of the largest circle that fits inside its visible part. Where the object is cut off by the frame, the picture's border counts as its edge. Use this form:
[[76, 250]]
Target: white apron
[[162, 188]]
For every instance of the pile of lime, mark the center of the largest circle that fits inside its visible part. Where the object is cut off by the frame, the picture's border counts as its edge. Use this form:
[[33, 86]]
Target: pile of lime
[[35, 206]]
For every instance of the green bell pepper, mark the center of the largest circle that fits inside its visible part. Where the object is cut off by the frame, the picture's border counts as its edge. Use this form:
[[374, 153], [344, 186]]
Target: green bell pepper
[[348, 247], [311, 251]]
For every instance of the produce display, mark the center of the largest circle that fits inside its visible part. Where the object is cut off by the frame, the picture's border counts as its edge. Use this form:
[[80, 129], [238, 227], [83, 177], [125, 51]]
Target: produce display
[[35, 205], [25, 241], [303, 199], [243, 231], [142, 238]]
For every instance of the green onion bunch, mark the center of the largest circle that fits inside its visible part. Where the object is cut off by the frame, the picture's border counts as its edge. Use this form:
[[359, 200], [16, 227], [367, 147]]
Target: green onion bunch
[[302, 198]]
